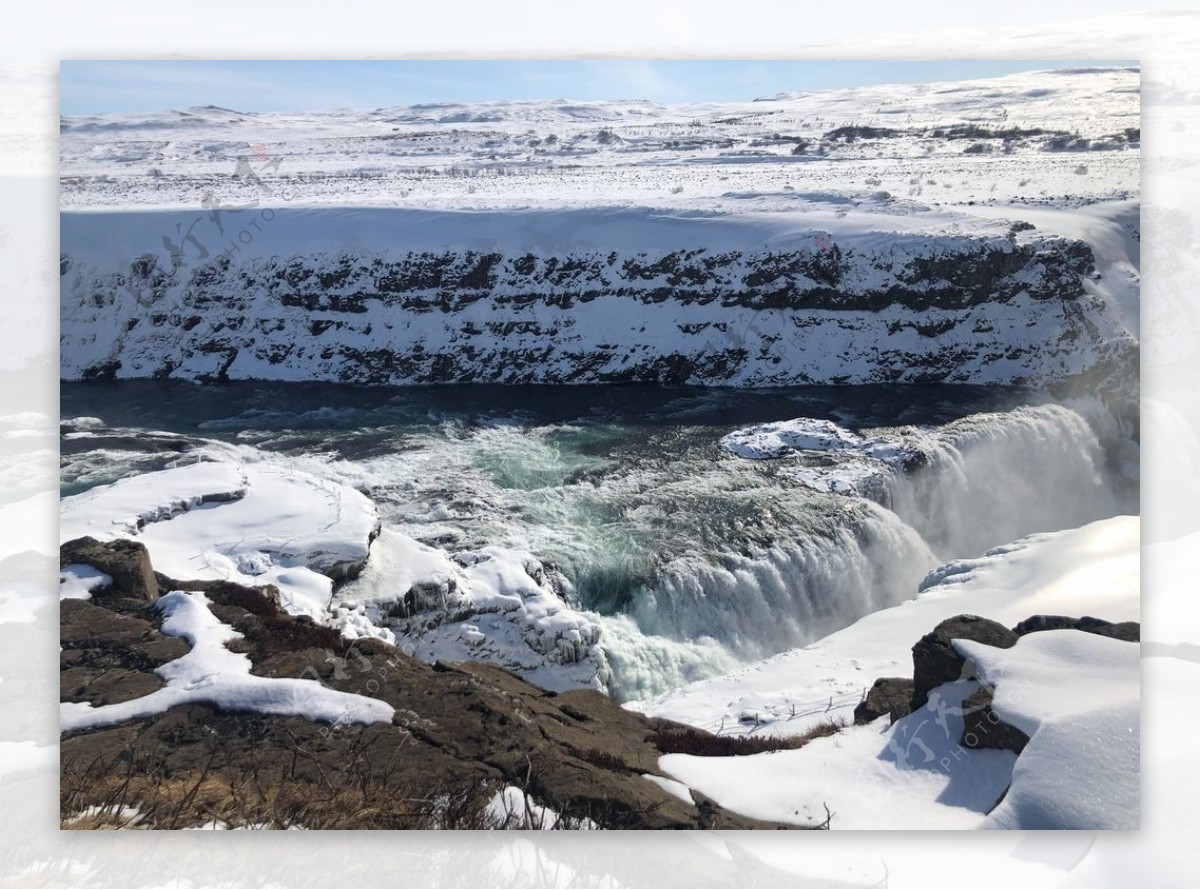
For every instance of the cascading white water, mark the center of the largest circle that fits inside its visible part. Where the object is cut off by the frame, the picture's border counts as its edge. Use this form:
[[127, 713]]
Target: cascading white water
[[753, 604], [690, 559], [991, 478]]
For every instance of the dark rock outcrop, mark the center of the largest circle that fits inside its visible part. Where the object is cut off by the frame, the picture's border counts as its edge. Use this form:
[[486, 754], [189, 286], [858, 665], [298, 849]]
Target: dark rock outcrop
[[935, 660], [126, 561], [1129, 631], [983, 728], [109, 656], [888, 695]]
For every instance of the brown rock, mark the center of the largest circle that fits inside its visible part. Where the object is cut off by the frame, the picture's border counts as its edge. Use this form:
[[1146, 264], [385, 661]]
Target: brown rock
[[888, 695], [935, 661], [983, 728], [1129, 631], [126, 561]]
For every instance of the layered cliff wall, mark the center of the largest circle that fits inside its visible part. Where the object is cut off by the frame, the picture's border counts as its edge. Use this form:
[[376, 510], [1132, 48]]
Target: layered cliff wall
[[389, 296]]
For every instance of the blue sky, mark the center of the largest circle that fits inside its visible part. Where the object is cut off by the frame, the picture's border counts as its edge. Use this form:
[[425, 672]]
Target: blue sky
[[100, 87]]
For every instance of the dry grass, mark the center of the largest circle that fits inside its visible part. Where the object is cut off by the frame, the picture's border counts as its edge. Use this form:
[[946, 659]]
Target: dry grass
[[704, 744], [356, 794], [156, 802]]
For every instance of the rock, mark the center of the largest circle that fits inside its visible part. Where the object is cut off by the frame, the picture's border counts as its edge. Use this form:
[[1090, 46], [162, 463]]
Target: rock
[[935, 661], [126, 561], [261, 600], [460, 733], [99, 639], [1129, 631], [888, 695], [105, 686], [982, 728]]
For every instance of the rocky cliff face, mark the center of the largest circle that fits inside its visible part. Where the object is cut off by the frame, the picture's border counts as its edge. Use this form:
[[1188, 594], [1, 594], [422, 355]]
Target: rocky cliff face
[[855, 308]]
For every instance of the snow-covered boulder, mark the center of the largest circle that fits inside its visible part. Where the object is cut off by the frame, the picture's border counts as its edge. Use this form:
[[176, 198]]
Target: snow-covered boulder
[[936, 658], [493, 604], [1077, 696], [253, 523], [124, 565]]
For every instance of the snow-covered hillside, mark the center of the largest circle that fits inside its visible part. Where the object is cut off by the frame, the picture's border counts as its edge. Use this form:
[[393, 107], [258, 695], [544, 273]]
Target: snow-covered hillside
[[981, 232]]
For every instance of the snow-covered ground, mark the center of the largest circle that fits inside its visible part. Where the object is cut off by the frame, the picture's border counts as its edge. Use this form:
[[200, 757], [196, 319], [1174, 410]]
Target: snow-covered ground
[[897, 233], [1080, 690], [730, 156], [253, 523], [1077, 697]]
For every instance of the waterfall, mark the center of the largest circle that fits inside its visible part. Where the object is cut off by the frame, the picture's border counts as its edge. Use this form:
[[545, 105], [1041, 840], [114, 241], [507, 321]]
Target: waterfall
[[706, 610], [988, 479]]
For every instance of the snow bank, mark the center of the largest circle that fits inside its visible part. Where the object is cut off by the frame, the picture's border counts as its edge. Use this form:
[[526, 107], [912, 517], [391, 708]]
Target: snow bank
[[122, 509], [912, 775], [212, 674], [1077, 696], [493, 605], [252, 523]]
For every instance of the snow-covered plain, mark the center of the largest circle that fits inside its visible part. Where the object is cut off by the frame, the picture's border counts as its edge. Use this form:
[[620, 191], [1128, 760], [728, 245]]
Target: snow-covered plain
[[731, 156], [848, 236]]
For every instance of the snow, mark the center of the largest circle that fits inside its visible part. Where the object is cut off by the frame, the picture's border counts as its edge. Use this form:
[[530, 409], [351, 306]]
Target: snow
[[256, 522], [112, 315], [122, 509], [495, 605], [78, 581], [336, 196], [803, 434], [912, 775], [916, 774], [715, 154], [1077, 696], [862, 465], [512, 809], [210, 673], [672, 787]]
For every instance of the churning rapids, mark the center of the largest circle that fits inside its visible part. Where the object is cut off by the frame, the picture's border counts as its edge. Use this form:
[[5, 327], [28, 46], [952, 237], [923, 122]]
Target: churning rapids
[[690, 557]]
